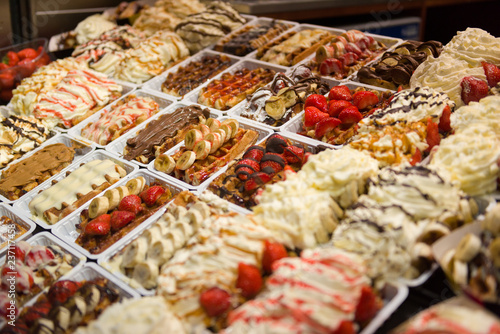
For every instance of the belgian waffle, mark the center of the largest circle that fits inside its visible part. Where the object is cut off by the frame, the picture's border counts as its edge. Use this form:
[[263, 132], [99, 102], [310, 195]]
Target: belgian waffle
[[232, 88], [9, 228]]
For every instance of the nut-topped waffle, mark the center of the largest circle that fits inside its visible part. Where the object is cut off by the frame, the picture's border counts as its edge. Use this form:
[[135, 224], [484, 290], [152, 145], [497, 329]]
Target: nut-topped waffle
[[194, 74], [58, 201], [251, 37], [206, 150], [120, 118], [293, 47], [232, 88]]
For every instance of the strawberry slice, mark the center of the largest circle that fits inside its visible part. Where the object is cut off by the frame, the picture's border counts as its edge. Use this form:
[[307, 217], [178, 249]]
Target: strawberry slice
[[215, 301], [249, 280], [350, 115], [60, 291], [473, 89], [345, 327], [444, 120], [276, 143], [349, 58], [336, 106], [432, 137], [325, 126], [272, 163], [318, 101], [38, 255], [246, 167], [331, 66], [313, 115], [340, 92], [273, 251], [120, 219], [39, 310], [256, 180], [254, 152], [151, 195], [492, 73], [306, 157], [416, 158], [368, 305], [130, 203], [98, 226], [293, 154], [364, 99], [20, 250], [24, 279]]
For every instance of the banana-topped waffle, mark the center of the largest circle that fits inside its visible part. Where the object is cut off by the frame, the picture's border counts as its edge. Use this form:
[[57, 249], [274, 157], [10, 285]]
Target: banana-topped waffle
[[10, 230], [188, 77], [206, 150], [251, 37], [80, 94], [111, 216], [27, 174], [293, 47], [120, 118], [163, 133], [82, 184], [232, 88]]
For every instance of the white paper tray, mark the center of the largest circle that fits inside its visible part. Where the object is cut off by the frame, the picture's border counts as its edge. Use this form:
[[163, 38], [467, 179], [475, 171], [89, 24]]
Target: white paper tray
[[263, 133], [117, 146], [192, 97], [155, 83], [162, 101], [9, 212], [60, 138], [67, 230], [23, 204]]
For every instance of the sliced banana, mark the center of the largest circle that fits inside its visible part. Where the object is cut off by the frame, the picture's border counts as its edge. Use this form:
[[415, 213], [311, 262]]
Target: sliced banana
[[146, 274], [466, 210], [134, 253], [460, 272], [160, 251], [233, 124], [177, 238], [213, 124], [192, 137], [123, 191], [205, 130], [78, 309], [98, 206], [202, 149], [61, 315], [328, 221], [185, 227], [289, 96], [164, 163], [177, 211], [152, 234], [494, 249], [168, 219], [433, 232], [186, 160], [202, 208], [447, 262], [113, 196], [468, 248], [321, 235], [215, 140], [275, 107], [227, 130], [491, 221], [223, 135], [136, 185], [421, 251]]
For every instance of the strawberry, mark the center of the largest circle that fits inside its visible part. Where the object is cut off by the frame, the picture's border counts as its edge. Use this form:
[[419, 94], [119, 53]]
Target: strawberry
[[27, 53], [6, 95], [6, 80], [151, 195], [3, 66], [345, 327], [20, 250], [313, 115], [364, 99], [256, 180], [293, 154], [254, 152], [98, 226], [416, 158], [273, 251], [336, 106], [130, 203], [11, 59], [306, 157], [276, 143], [349, 59], [272, 163], [340, 92], [492, 73], [60, 291], [432, 137], [473, 89], [120, 219], [368, 305], [444, 120], [318, 101], [331, 65], [35, 312], [37, 256], [215, 301], [325, 126], [352, 47], [26, 67], [246, 167], [350, 115], [249, 280], [24, 279]]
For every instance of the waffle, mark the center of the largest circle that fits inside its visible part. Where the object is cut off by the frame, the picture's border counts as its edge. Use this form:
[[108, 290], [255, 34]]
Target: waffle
[[232, 88], [123, 116], [194, 74], [64, 197], [9, 231], [163, 133], [293, 47], [27, 174], [250, 38]]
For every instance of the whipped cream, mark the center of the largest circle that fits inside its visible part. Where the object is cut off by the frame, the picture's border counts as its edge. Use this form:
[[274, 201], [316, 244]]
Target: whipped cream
[[92, 27], [483, 113], [474, 45], [181, 8]]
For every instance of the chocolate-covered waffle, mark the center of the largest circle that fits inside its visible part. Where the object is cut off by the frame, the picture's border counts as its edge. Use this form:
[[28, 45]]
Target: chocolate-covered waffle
[[232, 88]]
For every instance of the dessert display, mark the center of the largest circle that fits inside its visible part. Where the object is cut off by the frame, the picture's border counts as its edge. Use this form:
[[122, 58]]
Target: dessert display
[[328, 288], [88, 29], [395, 68], [334, 119], [293, 47], [10, 230], [111, 216], [65, 306], [25, 175], [232, 88], [19, 135], [81, 185], [483, 113], [207, 27], [35, 268], [284, 98], [263, 164], [120, 118], [194, 74], [163, 133], [206, 150], [151, 57], [251, 37]]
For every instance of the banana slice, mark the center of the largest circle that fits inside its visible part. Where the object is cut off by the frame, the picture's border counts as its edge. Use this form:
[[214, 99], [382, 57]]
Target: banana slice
[[288, 96], [186, 160], [160, 251], [321, 235], [223, 134], [168, 219], [421, 250], [78, 308], [192, 137], [202, 149], [491, 221], [98, 206], [205, 130], [213, 124], [275, 107], [177, 211], [136, 185], [61, 315], [466, 210], [146, 274], [468, 248], [227, 130], [123, 191], [134, 253], [113, 196], [494, 249], [433, 232], [202, 208], [177, 237], [233, 124], [152, 234], [185, 227], [164, 163], [460, 272], [215, 140], [447, 262], [328, 221]]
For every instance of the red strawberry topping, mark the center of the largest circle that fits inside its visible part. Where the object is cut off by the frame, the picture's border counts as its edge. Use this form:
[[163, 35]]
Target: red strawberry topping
[[256, 180], [444, 121], [350, 115], [336, 106], [130, 203], [249, 280], [21, 249], [492, 73], [273, 251], [318, 101], [60, 291], [120, 219], [215, 301], [433, 137], [364, 99], [151, 195], [473, 89], [340, 92], [276, 144], [293, 154], [368, 305], [254, 152], [98, 226], [313, 115], [274, 161], [331, 65], [416, 158], [325, 126], [37, 256], [246, 167]]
